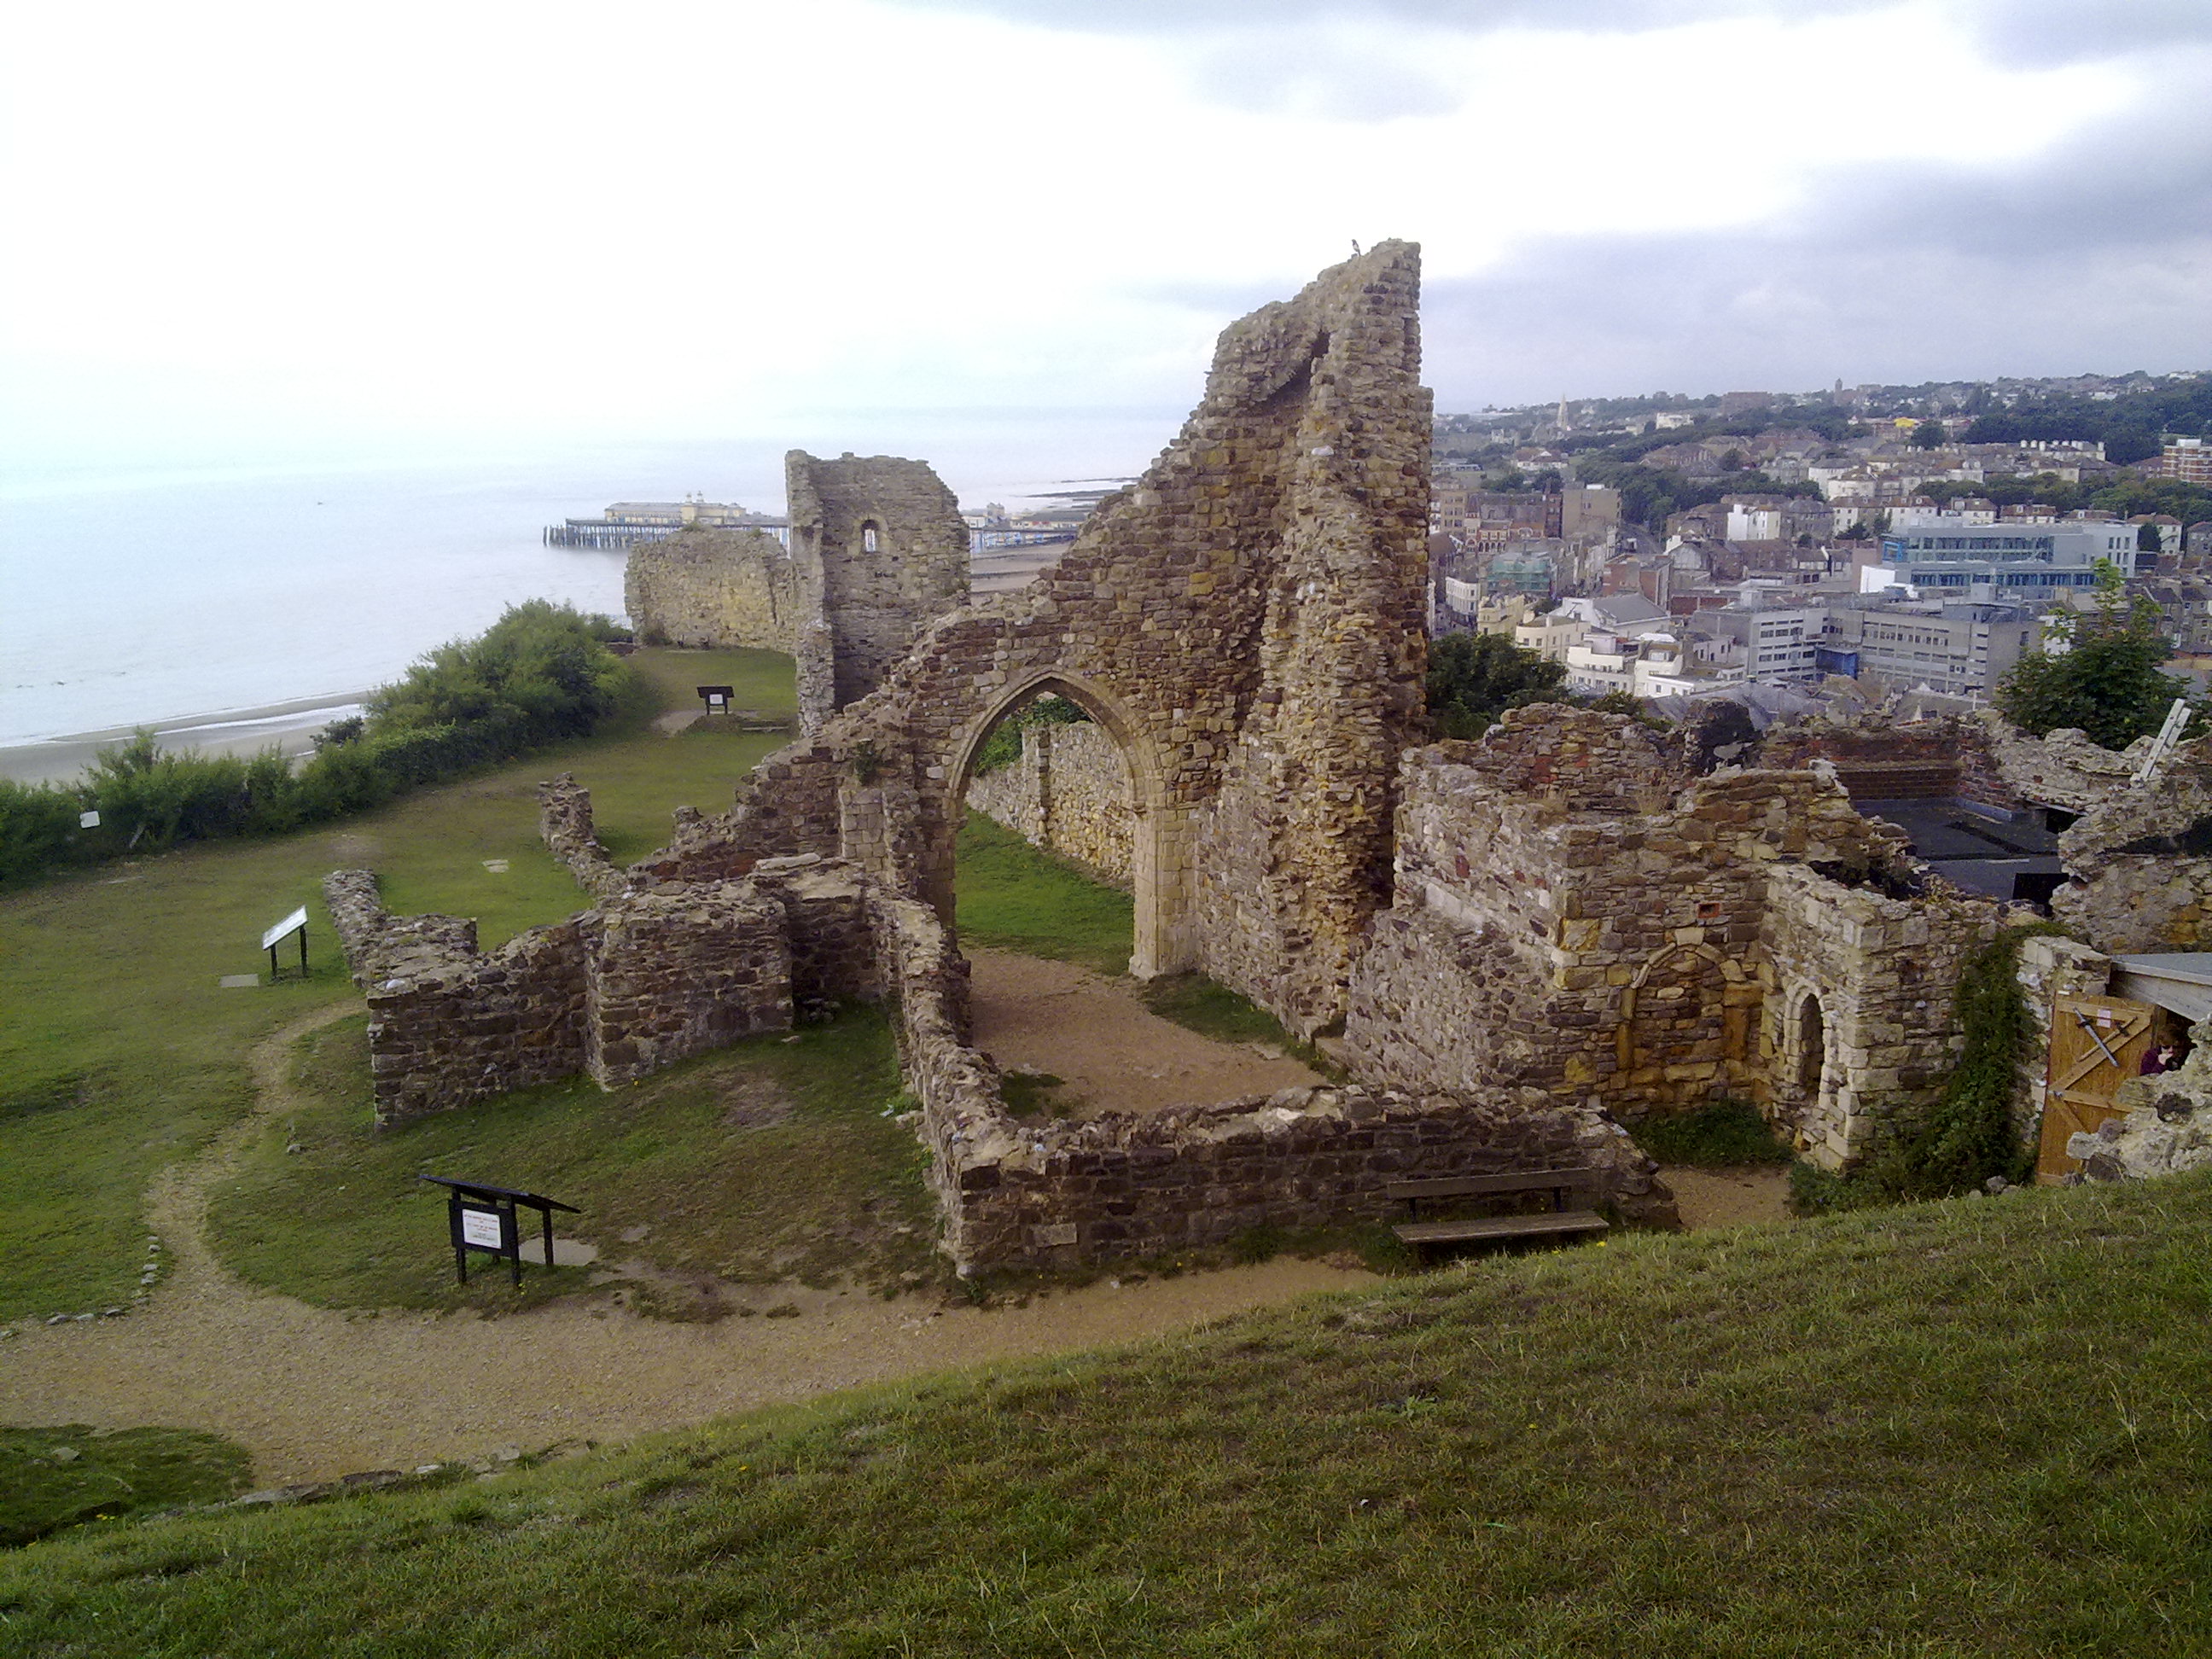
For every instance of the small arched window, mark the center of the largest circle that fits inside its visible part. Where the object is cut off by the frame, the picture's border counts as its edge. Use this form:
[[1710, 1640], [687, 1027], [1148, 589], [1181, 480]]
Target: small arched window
[[870, 541], [1812, 1045]]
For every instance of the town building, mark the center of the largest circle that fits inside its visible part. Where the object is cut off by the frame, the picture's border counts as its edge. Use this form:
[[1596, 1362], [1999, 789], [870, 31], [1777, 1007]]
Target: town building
[[1959, 648], [2189, 460]]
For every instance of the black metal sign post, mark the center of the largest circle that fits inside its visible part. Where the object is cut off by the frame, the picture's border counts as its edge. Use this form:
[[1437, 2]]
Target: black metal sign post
[[489, 1219], [717, 697]]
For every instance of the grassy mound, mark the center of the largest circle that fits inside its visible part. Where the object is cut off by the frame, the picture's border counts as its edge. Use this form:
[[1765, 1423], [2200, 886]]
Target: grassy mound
[[771, 1160], [120, 1053], [1961, 1428]]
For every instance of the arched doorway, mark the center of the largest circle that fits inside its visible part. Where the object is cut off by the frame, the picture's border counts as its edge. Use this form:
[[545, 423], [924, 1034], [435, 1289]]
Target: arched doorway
[[1158, 833]]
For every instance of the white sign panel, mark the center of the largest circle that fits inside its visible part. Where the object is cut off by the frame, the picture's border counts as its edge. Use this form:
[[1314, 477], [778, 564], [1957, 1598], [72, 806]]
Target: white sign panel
[[481, 1227], [291, 924]]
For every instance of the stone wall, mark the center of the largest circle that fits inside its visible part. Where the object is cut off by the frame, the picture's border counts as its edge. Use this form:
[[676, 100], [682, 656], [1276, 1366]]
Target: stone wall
[[1022, 1194], [1574, 915], [667, 976], [1855, 987], [2139, 863], [1876, 757], [446, 1023], [880, 549], [2167, 1130], [713, 589], [564, 821], [1069, 793], [1246, 625], [2062, 768]]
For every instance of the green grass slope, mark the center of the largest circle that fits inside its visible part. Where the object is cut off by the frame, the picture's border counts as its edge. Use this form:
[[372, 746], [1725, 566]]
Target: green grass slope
[[769, 1160], [119, 1053], [1968, 1428]]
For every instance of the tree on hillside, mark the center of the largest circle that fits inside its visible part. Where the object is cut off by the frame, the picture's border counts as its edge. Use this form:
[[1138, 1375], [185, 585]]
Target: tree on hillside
[[2106, 680], [1473, 679], [1928, 434]]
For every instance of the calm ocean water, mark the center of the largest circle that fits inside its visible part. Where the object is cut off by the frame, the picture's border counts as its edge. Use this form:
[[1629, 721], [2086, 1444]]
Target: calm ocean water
[[128, 598]]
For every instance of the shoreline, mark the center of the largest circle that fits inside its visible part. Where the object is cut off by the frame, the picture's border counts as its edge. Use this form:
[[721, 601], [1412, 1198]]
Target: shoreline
[[289, 726]]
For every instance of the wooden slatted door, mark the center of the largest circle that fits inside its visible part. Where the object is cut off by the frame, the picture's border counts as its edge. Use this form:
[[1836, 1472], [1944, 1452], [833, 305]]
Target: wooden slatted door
[[2097, 1044]]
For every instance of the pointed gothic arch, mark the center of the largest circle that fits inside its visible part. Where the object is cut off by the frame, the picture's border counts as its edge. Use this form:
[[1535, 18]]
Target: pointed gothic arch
[[1162, 830]]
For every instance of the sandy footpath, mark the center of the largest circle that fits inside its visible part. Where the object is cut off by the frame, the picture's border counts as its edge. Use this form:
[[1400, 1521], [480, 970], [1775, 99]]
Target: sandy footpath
[[1729, 1198], [1114, 1054], [316, 1393]]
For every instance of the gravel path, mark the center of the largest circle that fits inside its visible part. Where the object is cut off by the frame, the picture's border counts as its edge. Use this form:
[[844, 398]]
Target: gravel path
[[1114, 1054], [1729, 1198], [315, 1394]]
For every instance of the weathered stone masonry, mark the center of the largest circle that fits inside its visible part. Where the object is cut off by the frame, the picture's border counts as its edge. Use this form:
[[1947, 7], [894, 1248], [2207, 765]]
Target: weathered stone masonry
[[1069, 793], [639, 981], [1577, 915], [880, 549], [1244, 627], [1246, 624], [713, 589]]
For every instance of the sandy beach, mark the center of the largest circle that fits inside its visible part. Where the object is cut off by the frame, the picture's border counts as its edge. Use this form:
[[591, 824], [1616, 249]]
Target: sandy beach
[[291, 726]]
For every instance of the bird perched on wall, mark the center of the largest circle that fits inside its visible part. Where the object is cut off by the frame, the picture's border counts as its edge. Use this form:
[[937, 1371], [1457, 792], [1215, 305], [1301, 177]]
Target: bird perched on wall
[[1355, 244]]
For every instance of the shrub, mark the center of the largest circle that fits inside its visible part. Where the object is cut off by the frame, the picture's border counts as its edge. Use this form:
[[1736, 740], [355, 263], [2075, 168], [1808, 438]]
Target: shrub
[[1969, 1136], [1726, 1133], [1003, 747], [38, 829], [540, 674]]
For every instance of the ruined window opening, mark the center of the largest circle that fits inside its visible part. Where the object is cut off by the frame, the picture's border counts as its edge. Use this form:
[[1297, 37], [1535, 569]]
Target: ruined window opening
[[871, 540], [1811, 1046]]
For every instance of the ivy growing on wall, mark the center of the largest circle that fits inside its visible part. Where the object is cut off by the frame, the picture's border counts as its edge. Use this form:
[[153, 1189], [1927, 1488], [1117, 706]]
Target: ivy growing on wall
[[1969, 1134]]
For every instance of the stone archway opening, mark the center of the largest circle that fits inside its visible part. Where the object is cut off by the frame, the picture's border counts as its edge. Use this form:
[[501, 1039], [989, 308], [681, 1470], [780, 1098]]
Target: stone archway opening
[[1115, 815], [1071, 1034], [1050, 774]]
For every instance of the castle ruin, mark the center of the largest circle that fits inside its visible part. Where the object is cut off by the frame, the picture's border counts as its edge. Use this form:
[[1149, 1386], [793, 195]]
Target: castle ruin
[[1518, 939]]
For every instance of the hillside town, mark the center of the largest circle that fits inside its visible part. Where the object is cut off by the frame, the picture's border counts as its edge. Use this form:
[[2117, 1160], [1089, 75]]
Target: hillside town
[[1789, 549]]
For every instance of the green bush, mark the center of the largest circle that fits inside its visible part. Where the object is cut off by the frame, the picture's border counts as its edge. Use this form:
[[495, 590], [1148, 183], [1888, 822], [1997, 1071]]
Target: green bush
[[539, 675], [1969, 1136], [1725, 1134], [38, 829], [1003, 747]]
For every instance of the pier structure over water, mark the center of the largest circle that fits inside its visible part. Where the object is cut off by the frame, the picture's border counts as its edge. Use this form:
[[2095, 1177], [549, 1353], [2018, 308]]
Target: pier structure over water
[[627, 523]]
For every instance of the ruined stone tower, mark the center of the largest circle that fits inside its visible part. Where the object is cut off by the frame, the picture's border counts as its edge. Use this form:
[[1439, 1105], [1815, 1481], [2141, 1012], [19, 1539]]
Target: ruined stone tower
[[879, 548], [1245, 623]]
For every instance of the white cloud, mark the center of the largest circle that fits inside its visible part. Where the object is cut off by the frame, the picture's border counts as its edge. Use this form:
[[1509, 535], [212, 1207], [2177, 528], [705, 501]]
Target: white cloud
[[685, 217]]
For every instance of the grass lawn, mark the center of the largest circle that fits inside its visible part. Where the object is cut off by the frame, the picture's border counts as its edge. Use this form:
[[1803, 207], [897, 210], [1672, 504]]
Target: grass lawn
[[119, 1053], [54, 1478], [1014, 896], [1971, 1428], [771, 1160]]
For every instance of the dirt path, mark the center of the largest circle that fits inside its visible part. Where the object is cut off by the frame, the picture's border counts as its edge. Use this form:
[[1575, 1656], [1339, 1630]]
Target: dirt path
[[1114, 1054], [316, 1393], [1729, 1197]]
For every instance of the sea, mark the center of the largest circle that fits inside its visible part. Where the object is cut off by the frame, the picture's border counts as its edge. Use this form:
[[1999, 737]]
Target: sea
[[226, 601]]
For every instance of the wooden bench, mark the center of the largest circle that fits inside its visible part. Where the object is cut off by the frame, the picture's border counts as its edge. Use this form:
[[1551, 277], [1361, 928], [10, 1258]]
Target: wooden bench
[[1557, 1222]]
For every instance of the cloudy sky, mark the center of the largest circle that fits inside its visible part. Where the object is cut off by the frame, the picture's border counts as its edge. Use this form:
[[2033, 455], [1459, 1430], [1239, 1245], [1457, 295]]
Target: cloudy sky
[[243, 226]]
